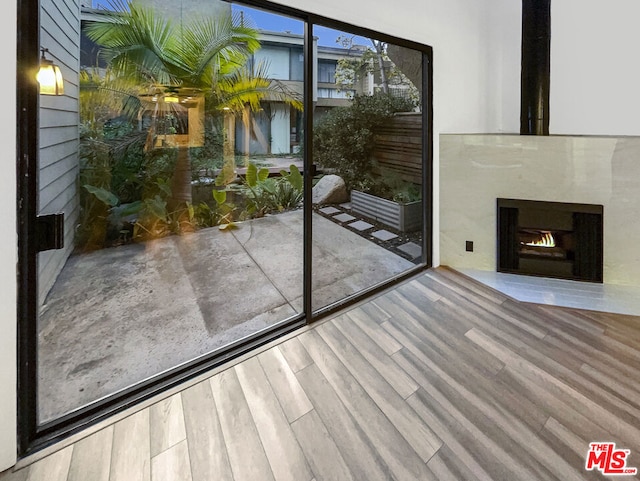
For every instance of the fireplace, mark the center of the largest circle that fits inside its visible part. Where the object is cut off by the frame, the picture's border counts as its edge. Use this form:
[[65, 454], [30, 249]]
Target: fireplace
[[550, 239]]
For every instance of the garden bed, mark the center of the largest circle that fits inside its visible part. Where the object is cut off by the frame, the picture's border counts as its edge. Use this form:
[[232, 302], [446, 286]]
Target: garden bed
[[402, 217]]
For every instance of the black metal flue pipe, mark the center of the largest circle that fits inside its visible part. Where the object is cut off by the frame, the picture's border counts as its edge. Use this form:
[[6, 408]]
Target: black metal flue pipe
[[535, 73]]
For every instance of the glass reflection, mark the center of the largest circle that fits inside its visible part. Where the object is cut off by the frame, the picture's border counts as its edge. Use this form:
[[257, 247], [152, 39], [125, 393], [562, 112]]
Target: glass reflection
[[367, 144], [188, 229]]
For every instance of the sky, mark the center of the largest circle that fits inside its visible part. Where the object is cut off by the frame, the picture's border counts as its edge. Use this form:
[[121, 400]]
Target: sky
[[277, 23]]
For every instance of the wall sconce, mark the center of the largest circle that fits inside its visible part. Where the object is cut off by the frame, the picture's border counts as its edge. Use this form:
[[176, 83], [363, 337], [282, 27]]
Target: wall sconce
[[49, 76], [171, 99]]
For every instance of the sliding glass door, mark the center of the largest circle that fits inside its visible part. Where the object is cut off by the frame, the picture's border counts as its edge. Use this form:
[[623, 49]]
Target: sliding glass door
[[183, 220], [368, 148], [213, 175]]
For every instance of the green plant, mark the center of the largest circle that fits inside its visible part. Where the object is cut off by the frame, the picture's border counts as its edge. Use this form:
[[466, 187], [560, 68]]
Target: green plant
[[264, 194], [206, 215], [407, 193], [149, 218], [224, 209], [258, 188], [289, 189], [293, 177], [286, 196], [114, 215], [207, 58], [157, 218], [153, 220], [209, 158], [111, 158], [389, 185], [344, 138]]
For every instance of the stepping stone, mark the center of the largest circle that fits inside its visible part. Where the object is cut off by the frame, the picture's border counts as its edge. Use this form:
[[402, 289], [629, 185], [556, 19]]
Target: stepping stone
[[411, 248], [329, 210], [346, 205], [343, 217], [360, 225], [384, 235]]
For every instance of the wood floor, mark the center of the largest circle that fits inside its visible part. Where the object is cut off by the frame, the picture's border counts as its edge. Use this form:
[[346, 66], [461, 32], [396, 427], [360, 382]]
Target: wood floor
[[440, 378]]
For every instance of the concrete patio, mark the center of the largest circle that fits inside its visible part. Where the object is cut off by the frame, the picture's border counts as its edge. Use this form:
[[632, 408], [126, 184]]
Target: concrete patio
[[121, 315]]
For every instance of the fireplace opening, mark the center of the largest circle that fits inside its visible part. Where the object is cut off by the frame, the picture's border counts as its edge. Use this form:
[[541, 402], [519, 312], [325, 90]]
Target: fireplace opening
[[550, 239], [548, 244]]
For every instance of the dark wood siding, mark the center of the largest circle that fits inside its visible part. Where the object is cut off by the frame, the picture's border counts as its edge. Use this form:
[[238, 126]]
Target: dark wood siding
[[398, 147]]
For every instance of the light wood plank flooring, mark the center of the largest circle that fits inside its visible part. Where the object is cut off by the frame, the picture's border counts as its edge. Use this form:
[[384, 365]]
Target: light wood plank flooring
[[440, 378]]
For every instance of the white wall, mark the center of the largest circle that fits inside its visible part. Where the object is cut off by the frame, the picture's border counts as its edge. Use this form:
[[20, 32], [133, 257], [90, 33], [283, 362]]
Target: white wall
[[276, 59], [8, 244], [595, 72], [478, 169], [176, 9]]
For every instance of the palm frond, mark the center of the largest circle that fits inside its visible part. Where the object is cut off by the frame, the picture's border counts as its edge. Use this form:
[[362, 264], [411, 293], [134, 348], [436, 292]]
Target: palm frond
[[214, 47], [137, 43], [148, 56], [107, 96]]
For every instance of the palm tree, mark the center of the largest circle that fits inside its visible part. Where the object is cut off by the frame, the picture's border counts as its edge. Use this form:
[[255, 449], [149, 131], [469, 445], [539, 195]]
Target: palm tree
[[204, 60]]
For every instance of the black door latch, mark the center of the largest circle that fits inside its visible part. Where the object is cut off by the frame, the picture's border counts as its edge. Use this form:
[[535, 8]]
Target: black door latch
[[49, 232]]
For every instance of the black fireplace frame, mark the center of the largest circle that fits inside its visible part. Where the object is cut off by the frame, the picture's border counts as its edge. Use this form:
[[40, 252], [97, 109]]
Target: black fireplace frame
[[587, 224]]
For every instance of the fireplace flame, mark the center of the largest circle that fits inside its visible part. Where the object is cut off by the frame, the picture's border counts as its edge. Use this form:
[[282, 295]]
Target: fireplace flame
[[545, 240]]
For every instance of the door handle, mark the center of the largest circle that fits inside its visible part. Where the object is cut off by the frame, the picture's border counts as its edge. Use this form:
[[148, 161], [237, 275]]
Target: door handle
[[49, 232]]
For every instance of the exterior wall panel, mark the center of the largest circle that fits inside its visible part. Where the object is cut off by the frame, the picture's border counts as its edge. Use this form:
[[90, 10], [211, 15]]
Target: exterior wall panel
[[59, 139]]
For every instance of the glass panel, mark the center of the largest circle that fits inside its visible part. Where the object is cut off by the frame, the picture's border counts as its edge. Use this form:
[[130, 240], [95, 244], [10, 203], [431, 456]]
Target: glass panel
[[182, 201], [367, 145], [297, 63]]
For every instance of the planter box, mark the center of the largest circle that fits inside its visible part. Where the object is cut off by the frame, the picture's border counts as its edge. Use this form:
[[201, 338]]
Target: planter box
[[402, 217]]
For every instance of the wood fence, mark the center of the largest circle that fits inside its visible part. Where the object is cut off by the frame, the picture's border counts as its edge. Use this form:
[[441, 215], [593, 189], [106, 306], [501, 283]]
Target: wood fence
[[398, 147]]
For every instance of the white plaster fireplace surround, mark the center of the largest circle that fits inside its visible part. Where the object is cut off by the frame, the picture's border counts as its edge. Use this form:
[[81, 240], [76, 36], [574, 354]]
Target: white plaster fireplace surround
[[477, 169]]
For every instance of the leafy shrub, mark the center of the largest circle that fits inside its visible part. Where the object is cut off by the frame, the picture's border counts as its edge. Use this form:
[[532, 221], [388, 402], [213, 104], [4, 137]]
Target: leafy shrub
[[343, 138], [208, 158], [264, 194], [289, 191], [389, 185], [110, 159]]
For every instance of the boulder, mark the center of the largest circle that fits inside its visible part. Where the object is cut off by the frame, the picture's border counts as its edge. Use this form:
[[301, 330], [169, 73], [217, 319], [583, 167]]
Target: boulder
[[330, 189]]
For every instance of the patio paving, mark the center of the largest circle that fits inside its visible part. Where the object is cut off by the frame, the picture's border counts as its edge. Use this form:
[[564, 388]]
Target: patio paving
[[360, 225], [384, 235], [412, 249], [329, 210], [120, 315], [344, 217]]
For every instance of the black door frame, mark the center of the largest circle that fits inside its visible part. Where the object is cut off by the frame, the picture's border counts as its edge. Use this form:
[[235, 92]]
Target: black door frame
[[33, 437]]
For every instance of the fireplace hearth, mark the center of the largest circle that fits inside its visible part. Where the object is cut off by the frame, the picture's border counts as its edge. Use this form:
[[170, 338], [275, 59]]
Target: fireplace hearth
[[550, 239]]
